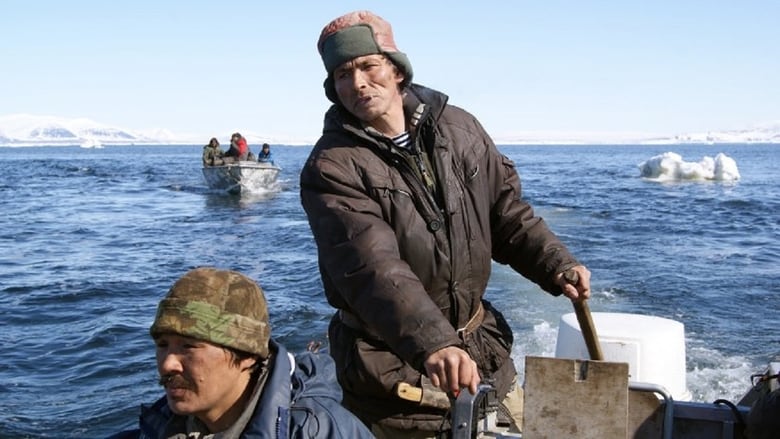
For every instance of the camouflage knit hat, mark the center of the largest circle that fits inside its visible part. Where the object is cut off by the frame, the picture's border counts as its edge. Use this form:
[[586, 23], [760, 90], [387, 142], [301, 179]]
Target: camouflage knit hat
[[357, 34], [218, 306]]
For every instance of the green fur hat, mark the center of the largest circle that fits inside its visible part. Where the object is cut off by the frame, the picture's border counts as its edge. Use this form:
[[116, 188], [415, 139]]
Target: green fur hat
[[357, 34]]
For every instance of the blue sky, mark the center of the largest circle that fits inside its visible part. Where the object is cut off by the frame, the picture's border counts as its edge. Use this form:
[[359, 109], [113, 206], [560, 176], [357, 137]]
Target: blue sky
[[206, 67]]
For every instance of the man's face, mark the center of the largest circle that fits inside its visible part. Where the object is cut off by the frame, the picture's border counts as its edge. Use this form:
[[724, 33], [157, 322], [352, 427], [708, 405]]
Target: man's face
[[199, 377], [368, 86]]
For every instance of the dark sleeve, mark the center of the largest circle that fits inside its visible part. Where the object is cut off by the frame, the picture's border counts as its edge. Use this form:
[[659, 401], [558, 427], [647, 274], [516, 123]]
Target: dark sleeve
[[520, 237]]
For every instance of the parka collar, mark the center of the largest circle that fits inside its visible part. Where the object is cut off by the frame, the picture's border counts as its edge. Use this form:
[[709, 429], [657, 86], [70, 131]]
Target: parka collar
[[337, 117]]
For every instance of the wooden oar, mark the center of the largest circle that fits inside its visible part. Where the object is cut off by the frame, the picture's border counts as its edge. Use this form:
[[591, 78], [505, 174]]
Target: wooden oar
[[585, 320]]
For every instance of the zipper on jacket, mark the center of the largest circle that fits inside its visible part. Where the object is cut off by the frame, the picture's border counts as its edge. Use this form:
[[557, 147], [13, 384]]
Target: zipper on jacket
[[417, 152], [420, 162], [437, 222], [423, 183]]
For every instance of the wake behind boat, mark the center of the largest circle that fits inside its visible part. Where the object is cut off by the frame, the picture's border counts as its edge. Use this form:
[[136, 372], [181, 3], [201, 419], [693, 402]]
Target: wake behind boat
[[241, 176]]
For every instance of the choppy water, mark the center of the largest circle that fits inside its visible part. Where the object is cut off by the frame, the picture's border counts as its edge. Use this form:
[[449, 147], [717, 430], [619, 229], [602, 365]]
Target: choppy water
[[92, 238]]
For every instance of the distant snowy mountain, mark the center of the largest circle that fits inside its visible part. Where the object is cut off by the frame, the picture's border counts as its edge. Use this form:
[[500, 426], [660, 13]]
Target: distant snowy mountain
[[30, 130]]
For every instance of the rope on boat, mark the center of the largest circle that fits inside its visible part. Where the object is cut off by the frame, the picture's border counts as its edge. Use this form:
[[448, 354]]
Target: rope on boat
[[756, 380], [734, 409]]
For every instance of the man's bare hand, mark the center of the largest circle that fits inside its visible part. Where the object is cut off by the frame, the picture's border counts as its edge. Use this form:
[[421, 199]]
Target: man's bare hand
[[452, 369], [575, 283]]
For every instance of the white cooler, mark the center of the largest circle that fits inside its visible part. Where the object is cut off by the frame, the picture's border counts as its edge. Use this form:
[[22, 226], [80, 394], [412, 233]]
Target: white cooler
[[653, 347]]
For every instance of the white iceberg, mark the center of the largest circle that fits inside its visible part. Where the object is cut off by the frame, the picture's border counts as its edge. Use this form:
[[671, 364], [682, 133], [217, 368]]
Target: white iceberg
[[670, 166]]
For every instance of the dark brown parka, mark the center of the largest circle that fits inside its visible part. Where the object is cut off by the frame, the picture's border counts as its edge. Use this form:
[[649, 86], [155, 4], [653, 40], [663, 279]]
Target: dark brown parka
[[407, 265]]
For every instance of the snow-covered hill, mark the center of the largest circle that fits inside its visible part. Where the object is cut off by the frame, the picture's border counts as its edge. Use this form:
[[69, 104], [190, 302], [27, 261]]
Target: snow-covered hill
[[31, 130]]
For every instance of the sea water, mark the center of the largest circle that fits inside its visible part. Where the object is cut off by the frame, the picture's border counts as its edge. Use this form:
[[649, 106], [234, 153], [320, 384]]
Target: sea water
[[93, 238]]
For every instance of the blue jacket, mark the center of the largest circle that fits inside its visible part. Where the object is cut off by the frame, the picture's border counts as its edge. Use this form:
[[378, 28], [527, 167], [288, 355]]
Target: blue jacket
[[306, 404], [265, 158]]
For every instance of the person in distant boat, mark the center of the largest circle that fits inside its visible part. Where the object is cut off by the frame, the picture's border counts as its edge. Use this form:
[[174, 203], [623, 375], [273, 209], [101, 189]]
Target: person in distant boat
[[224, 376], [409, 202], [212, 153], [265, 155], [239, 150]]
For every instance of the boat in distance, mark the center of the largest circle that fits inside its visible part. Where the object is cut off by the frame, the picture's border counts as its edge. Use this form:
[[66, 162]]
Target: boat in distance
[[241, 177]]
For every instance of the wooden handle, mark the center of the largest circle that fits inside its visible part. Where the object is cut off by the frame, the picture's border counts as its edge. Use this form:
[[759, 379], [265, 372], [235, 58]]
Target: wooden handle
[[408, 392], [585, 320], [588, 330]]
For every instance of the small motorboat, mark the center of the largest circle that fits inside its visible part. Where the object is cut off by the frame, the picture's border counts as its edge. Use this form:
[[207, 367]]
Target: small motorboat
[[241, 177], [637, 390]]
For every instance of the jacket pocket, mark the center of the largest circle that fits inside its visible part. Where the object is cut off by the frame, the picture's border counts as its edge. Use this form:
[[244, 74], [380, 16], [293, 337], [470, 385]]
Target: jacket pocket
[[366, 366]]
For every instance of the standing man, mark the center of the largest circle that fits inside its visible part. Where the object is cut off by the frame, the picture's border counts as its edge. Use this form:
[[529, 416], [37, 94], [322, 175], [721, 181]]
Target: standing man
[[408, 200], [224, 377]]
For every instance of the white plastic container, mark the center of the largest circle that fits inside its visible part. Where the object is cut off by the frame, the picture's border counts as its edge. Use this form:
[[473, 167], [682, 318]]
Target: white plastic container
[[653, 347]]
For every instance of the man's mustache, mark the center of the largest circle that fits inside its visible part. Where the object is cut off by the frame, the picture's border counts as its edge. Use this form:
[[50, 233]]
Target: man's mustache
[[176, 381]]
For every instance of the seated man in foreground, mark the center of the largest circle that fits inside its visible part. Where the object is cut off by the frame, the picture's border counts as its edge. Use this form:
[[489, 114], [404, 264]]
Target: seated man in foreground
[[225, 377]]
